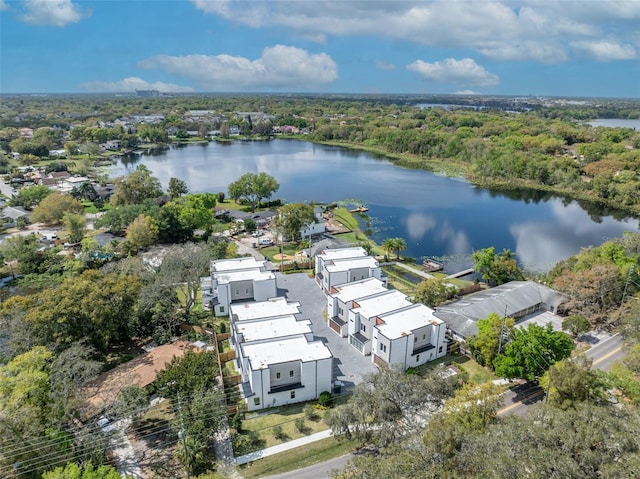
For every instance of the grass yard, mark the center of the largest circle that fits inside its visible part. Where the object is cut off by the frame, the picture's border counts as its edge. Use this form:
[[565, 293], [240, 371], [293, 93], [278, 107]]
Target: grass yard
[[345, 218], [297, 458], [477, 374], [284, 417]]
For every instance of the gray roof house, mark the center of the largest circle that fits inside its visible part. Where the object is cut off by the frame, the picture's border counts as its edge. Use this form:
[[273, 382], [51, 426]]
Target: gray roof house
[[515, 299]]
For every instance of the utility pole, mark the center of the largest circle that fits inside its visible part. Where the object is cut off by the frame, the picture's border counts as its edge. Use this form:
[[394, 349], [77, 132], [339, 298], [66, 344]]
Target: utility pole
[[504, 318], [182, 435], [626, 284]]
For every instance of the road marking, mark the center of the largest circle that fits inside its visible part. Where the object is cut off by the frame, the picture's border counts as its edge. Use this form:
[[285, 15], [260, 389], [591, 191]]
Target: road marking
[[516, 404], [606, 356]]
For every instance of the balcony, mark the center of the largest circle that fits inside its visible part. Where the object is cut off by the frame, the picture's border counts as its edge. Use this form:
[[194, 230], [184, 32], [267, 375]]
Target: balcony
[[285, 387], [422, 349]]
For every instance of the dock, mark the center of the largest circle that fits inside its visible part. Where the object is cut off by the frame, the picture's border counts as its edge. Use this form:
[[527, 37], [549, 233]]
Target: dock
[[459, 274], [431, 266], [359, 209]]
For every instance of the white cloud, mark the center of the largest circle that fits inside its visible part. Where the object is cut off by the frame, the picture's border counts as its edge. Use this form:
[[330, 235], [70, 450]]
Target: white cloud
[[3, 5], [381, 65], [458, 72], [131, 84], [57, 13], [606, 51], [279, 67], [465, 92], [538, 30]]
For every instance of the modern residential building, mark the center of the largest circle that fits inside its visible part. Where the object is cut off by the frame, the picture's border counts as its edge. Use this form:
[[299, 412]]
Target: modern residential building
[[516, 299], [278, 306], [363, 313], [408, 337], [341, 297], [345, 265], [234, 280], [283, 370]]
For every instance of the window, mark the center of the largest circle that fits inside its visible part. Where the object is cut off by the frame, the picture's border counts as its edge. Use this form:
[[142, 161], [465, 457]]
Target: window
[[246, 291], [256, 401], [439, 349], [291, 373], [293, 394], [222, 309], [383, 348], [424, 336], [415, 340], [363, 327], [340, 311], [277, 375], [237, 292], [417, 358]]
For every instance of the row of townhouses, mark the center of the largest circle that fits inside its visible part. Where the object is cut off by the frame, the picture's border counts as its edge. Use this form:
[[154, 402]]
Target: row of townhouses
[[281, 361]]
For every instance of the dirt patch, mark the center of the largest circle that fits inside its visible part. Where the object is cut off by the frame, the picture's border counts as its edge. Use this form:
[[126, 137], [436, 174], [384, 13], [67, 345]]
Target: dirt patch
[[140, 371], [284, 257]]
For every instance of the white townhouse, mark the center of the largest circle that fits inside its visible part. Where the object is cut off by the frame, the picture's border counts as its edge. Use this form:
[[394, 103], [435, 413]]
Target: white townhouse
[[315, 228], [340, 301], [345, 265], [234, 280], [363, 313], [408, 337], [278, 306], [284, 370]]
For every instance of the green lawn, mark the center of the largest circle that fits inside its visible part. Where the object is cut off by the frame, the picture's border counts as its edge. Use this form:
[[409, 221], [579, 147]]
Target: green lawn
[[346, 219], [283, 416], [297, 458], [477, 374]]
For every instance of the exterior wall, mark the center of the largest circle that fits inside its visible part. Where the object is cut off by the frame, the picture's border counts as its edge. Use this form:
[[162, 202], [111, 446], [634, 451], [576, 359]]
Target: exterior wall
[[283, 374], [381, 347], [222, 308], [264, 289], [241, 290], [399, 349], [353, 324], [313, 229], [338, 277], [422, 336], [359, 273]]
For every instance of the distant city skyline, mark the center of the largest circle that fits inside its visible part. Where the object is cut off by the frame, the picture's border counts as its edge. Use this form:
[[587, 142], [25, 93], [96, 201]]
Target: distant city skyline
[[571, 48]]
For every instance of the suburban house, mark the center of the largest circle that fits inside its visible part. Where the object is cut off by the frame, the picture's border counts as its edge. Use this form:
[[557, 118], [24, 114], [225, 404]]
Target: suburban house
[[364, 312], [315, 228], [234, 280], [341, 297], [276, 355], [517, 299], [345, 265], [408, 337]]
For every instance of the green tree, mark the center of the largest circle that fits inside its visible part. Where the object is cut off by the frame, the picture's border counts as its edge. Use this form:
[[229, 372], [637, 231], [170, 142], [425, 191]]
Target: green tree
[[434, 292], [292, 218], [52, 209], [571, 381], [576, 324], [394, 245], [388, 405], [493, 335], [75, 225], [532, 351], [183, 266], [193, 371], [30, 196], [253, 188], [87, 471], [142, 232], [496, 268], [177, 188], [136, 187]]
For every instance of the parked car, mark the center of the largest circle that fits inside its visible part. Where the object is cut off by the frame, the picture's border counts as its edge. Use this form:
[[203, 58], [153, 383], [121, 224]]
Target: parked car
[[265, 241], [257, 233], [105, 425]]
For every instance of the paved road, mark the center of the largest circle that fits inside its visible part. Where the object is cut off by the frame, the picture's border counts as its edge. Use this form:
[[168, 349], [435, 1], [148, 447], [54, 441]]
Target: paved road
[[606, 352], [316, 471]]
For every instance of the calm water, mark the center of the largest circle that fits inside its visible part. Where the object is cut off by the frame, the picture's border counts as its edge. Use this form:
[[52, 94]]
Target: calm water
[[438, 216], [616, 123]]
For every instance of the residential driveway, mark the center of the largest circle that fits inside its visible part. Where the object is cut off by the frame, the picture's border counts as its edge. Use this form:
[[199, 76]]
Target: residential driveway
[[348, 364]]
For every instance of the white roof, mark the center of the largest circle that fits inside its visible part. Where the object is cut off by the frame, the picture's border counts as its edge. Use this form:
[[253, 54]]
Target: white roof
[[264, 309], [381, 303], [403, 322], [277, 327], [243, 275], [351, 263], [341, 253], [262, 354], [358, 289], [235, 264]]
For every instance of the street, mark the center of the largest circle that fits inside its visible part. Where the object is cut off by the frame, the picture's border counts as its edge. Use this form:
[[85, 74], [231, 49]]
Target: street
[[316, 471]]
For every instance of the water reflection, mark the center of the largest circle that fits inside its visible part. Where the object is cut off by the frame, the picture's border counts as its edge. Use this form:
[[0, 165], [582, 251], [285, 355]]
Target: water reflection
[[437, 216]]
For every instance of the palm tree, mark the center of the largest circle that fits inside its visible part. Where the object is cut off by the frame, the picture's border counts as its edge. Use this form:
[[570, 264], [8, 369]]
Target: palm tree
[[388, 245], [399, 244]]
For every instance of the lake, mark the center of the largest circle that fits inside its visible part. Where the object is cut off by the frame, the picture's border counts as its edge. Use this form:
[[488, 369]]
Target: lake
[[438, 216], [616, 123]]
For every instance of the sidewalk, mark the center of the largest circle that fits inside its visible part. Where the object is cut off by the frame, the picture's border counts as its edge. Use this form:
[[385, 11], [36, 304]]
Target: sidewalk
[[252, 456]]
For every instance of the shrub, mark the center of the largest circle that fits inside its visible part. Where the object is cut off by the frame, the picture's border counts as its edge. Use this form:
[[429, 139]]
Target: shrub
[[300, 426], [310, 412], [278, 433], [325, 399]]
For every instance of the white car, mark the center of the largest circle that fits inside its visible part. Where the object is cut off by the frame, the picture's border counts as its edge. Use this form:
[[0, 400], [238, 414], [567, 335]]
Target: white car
[[257, 233], [105, 425]]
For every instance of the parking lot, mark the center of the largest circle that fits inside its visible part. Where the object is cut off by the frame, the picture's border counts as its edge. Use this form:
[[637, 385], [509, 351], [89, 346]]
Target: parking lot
[[348, 364]]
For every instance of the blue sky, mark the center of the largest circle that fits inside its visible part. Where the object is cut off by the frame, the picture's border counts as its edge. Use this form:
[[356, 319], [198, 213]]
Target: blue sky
[[537, 47]]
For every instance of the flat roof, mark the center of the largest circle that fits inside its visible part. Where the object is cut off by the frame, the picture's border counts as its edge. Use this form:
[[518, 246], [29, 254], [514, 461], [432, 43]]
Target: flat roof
[[236, 263], [277, 327], [262, 354], [278, 306], [340, 253], [382, 303], [403, 322], [358, 289], [346, 264], [243, 275]]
